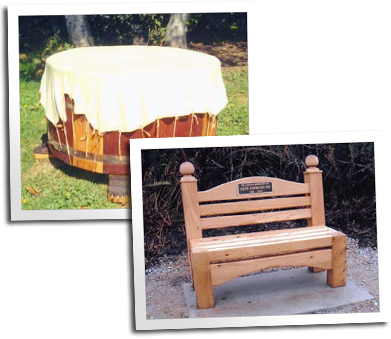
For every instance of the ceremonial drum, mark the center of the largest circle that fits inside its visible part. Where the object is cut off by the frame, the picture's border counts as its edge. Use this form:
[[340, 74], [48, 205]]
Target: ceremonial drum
[[97, 98]]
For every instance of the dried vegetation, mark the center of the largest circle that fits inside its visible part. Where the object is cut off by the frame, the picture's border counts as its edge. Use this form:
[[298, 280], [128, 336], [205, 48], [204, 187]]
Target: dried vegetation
[[348, 179]]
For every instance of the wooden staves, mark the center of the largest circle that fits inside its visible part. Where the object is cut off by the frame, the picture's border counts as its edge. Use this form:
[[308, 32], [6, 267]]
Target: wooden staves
[[78, 144]]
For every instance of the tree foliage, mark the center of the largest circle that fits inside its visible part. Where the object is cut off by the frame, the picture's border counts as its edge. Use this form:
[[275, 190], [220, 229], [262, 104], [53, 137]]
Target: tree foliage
[[41, 36], [124, 29], [34, 31], [216, 27]]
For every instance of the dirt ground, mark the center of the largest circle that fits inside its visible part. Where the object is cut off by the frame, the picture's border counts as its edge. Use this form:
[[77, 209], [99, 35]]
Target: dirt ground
[[166, 300], [231, 54]]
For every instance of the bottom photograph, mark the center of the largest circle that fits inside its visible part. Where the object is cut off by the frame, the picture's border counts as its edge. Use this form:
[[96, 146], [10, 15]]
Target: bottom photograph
[[260, 230]]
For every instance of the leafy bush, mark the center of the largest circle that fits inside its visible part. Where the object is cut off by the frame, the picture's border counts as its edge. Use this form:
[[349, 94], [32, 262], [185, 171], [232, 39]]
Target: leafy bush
[[214, 27], [124, 29], [32, 65], [34, 31]]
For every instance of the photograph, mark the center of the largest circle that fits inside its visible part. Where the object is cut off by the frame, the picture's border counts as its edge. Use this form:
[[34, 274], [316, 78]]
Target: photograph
[[249, 231], [89, 83]]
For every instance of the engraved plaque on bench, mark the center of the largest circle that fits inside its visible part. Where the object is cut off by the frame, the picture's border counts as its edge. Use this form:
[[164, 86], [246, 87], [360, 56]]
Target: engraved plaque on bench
[[255, 187]]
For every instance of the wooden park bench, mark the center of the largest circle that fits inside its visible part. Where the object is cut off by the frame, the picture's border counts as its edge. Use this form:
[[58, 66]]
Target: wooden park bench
[[251, 201]]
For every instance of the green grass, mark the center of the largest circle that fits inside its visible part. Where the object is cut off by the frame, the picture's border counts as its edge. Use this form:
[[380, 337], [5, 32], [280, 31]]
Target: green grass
[[233, 119], [59, 186]]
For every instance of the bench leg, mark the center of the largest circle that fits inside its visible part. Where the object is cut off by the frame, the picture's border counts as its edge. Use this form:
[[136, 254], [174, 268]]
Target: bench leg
[[315, 269], [191, 267], [202, 280], [336, 277]]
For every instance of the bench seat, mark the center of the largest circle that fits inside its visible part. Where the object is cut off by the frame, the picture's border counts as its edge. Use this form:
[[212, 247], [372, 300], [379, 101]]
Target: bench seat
[[237, 247], [232, 256]]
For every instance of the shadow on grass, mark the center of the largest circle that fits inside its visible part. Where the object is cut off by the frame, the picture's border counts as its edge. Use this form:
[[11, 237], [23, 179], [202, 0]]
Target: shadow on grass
[[76, 172], [79, 173]]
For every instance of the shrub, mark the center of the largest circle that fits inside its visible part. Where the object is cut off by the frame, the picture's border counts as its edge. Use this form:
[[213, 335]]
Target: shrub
[[32, 65]]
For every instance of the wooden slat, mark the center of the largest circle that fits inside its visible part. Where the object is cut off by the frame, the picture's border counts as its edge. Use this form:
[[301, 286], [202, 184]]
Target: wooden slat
[[262, 234], [229, 191], [224, 272], [252, 219], [266, 248], [252, 206], [249, 241], [86, 140], [261, 242]]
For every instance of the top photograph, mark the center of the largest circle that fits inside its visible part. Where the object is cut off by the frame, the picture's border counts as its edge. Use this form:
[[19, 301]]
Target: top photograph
[[89, 83]]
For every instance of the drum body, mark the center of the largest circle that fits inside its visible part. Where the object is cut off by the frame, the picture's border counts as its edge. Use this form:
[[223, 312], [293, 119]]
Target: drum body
[[76, 143]]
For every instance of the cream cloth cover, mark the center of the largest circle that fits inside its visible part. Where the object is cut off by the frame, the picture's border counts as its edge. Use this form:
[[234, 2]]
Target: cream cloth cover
[[124, 88]]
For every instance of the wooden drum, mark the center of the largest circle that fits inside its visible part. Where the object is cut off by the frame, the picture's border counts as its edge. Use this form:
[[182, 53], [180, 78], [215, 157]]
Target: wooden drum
[[97, 98], [76, 143]]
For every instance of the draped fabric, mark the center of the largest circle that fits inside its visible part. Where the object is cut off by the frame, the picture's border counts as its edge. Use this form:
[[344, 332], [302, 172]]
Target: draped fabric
[[123, 88]]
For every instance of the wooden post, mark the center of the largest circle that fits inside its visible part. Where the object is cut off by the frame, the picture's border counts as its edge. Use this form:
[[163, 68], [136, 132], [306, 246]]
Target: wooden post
[[203, 280], [313, 177], [336, 277], [190, 207]]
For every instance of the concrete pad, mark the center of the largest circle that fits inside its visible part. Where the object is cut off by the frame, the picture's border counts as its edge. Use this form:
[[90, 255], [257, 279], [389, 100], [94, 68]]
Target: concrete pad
[[284, 292]]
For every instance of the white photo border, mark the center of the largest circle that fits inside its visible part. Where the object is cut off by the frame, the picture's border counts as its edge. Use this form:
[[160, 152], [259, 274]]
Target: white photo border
[[14, 11], [136, 148]]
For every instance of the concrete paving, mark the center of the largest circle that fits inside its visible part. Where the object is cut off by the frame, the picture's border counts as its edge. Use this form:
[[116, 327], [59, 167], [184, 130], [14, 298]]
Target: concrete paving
[[284, 292]]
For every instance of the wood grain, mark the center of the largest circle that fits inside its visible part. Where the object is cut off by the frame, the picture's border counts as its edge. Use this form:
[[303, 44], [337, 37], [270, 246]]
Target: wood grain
[[336, 277], [202, 280], [254, 205], [253, 219], [229, 191], [223, 272]]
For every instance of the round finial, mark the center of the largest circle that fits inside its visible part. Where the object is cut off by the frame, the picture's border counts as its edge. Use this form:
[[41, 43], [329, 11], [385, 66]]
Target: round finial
[[187, 168], [311, 161]]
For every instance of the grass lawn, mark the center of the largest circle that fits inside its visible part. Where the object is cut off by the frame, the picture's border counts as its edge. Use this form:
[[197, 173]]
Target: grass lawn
[[51, 184], [233, 119]]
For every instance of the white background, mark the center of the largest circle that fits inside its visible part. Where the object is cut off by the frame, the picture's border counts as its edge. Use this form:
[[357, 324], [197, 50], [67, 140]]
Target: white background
[[323, 65]]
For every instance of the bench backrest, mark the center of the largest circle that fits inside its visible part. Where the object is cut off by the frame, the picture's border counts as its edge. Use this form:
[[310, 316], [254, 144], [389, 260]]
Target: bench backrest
[[252, 200]]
